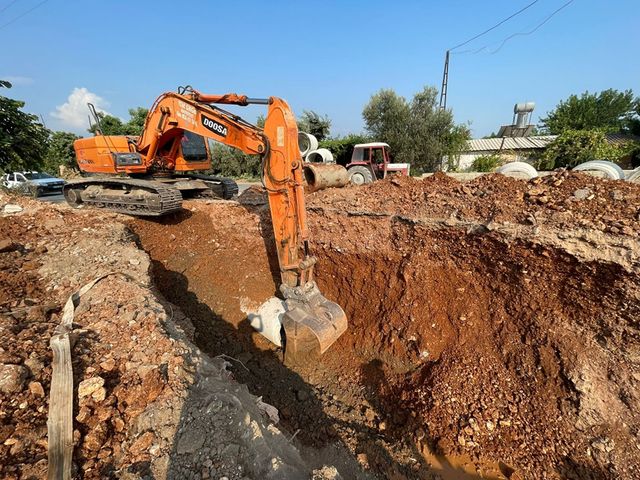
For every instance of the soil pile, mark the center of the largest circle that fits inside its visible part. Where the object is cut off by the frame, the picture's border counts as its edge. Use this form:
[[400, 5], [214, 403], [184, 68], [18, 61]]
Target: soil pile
[[495, 319], [564, 199]]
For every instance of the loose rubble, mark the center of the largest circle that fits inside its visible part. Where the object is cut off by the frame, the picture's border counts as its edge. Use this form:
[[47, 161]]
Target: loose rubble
[[147, 402]]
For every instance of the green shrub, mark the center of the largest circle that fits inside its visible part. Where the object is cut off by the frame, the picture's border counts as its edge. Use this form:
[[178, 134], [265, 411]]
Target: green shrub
[[486, 163], [342, 148], [573, 147]]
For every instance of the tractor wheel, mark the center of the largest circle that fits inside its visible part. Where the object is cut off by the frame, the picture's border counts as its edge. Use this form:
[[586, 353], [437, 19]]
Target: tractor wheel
[[360, 175]]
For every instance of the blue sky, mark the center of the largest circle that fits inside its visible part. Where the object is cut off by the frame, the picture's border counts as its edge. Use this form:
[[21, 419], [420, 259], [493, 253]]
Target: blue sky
[[327, 56]]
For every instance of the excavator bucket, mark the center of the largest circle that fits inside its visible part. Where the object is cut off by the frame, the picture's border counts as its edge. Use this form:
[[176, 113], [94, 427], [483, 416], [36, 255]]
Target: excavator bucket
[[311, 330], [310, 323]]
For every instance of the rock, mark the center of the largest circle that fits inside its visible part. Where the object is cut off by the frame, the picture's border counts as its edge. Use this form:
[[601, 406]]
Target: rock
[[190, 441], [370, 415], [94, 440], [34, 364], [134, 261], [6, 245], [326, 473], [12, 378], [30, 265], [10, 208], [302, 395], [582, 194], [90, 386], [363, 459], [617, 195], [36, 389], [142, 443], [490, 425], [83, 415], [108, 365]]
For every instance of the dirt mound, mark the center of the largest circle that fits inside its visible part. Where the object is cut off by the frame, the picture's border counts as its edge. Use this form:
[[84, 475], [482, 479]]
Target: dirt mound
[[563, 199], [494, 320]]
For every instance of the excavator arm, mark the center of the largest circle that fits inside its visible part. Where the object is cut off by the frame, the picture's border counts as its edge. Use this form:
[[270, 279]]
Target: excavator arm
[[311, 322]]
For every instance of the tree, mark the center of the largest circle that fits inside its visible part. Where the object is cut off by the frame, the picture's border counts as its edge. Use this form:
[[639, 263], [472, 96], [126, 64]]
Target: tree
[[387, 117], [231, 162], [136, 121], [342, 148], [573, 147], [314, 124], [419, 132], [114, 126], [109, 125], [609, 111], [23, 139], [60, 151]]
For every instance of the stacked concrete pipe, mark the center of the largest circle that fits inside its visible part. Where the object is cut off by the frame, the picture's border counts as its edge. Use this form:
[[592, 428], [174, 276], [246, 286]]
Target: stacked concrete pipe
[[320, 155], [601, 168], [306, 143]]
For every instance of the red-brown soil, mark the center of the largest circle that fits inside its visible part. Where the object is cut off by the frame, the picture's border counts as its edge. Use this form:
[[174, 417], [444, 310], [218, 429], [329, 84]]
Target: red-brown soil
[[159, 408], [515, 347]]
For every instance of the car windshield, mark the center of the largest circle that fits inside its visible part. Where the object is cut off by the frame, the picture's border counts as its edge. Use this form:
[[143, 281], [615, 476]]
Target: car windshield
[[36, 175]]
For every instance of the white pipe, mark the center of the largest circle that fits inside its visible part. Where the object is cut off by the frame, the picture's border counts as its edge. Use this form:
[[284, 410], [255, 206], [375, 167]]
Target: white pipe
[[306, 143], [321, 155]]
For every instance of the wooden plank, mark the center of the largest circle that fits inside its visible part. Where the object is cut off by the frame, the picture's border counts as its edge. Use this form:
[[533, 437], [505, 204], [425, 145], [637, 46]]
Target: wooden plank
[[60, 421]]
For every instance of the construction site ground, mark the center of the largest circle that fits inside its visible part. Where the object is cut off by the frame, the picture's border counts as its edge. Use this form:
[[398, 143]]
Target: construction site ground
[[493, 333]]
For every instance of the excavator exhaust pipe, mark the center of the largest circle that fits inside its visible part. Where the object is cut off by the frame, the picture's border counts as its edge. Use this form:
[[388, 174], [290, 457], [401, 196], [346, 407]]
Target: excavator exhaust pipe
[[306, 324], [324, 175]]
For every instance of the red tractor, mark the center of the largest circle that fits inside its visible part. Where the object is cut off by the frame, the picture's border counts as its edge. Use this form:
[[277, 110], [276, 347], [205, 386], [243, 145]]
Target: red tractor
[[372, 161]]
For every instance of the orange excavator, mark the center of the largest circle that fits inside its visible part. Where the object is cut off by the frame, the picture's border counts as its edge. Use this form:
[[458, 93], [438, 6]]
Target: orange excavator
[[148, 175]]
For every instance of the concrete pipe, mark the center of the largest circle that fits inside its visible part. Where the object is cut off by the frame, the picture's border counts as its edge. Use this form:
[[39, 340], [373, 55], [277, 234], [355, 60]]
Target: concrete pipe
[[520, 170], [321, 155], [634, 176], [306, 143], [321, 175], [603, 168]]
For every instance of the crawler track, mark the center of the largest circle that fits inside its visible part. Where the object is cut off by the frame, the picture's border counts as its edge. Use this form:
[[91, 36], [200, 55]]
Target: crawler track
[[133, 197]]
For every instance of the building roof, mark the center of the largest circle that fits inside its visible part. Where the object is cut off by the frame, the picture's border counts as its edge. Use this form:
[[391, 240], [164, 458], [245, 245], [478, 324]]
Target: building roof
[[535, 142], [509, 143], [622, 138]]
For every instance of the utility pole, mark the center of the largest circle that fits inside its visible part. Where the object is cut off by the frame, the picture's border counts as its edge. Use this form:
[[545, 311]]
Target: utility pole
[[445, 82]]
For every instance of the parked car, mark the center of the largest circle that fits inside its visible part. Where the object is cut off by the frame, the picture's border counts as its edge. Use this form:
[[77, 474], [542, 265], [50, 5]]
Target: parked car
[[33, 183]]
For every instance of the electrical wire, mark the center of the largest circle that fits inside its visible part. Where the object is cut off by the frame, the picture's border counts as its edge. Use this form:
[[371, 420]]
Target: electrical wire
[[523, 34], [8, 5], [22, 14], [517, 34], [495, 26]]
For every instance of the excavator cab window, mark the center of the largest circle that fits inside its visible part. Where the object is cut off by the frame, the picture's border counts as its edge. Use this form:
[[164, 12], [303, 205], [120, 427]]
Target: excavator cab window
[[193, 147]]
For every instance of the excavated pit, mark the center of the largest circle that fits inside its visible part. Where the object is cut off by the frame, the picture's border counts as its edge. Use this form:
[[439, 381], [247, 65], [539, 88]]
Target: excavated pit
[[480, 344]]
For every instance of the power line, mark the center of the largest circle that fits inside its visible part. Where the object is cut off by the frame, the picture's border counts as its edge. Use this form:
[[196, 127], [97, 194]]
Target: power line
[[531, 31], [23, 14], [495, 26], [8, 5]]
